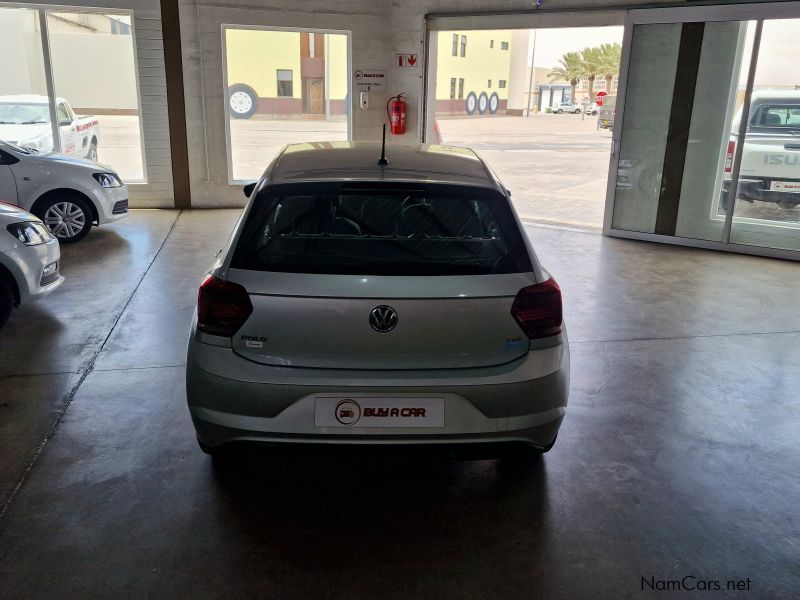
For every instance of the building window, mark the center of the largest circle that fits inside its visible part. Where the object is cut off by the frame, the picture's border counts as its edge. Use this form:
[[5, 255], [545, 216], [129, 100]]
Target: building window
[[501, 83], [285, 87], [461, 88], [491, 43], [452, 88], [455, 44], [503, 45], [463, 45], [489, 84]]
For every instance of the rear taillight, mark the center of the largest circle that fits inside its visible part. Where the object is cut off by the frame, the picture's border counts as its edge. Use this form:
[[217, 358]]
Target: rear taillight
[[222, 307], [729, 156], [537, 309]]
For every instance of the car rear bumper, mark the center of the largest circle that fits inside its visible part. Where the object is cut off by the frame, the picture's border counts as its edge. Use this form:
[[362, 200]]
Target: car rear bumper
[[234, 400]]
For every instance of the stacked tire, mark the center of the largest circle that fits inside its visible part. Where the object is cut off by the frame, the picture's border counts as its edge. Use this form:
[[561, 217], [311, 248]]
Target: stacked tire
[[482, 103]]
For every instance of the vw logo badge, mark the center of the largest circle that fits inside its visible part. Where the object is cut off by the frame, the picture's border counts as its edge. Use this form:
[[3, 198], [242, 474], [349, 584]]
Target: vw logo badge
[[383, 318]]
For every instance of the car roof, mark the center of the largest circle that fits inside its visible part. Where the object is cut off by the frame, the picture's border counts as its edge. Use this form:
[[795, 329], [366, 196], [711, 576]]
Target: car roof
[[358, 161]]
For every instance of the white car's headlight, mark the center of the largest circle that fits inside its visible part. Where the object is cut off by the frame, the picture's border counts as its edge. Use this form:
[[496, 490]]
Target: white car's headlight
[[107, 180], [30, 233]]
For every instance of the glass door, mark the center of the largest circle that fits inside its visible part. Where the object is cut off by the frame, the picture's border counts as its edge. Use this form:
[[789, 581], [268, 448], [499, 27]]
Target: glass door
[[678, 173]]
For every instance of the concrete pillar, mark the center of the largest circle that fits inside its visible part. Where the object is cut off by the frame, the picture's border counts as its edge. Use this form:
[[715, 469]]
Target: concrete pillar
[[518, 72]]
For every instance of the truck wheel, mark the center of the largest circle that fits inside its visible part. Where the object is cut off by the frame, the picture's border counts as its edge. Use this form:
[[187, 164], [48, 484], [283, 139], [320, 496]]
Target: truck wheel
[[6, 300], [472, 103], [242, 101], [92, 153], [67, 216], [483, 102]]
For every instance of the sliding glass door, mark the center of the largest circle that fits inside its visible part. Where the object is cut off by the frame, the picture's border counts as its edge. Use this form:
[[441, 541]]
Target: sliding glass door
[[706, 148]]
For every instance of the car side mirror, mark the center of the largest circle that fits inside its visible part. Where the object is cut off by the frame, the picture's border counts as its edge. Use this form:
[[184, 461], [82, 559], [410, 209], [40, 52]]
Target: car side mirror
[[248, 189], [64, 122]]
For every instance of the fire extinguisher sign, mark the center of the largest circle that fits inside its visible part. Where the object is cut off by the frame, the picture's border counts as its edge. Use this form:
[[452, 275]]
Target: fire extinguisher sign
[[369, 80]]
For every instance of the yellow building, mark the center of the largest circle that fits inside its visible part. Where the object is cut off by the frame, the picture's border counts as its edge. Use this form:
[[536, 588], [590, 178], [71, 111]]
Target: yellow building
[[472, 71], [285, 73]]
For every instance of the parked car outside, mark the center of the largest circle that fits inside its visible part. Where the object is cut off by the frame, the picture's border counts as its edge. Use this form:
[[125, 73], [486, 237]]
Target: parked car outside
[[29, 260], [606, 113], [432, 320], [68, 194], [770, 168], [568, 107], [25, 121], [591, 109]]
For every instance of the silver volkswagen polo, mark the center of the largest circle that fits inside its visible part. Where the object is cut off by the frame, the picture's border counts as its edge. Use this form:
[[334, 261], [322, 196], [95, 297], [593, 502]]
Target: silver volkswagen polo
[[361, 303]]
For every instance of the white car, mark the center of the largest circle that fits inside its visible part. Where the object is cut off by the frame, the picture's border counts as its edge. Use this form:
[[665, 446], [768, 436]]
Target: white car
[[68, 194], [29, 260], [368, 303], [568, 107], [591, 109], [25, 121], [770, 169]]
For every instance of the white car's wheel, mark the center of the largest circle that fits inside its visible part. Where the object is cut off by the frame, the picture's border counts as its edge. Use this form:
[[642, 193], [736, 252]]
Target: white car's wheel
[[483, 102], [559, 111], [68, 218], [242, 101]]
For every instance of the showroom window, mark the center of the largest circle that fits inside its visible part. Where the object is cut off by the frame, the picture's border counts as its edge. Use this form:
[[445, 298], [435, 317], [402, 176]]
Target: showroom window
[[96, 110], [283, 86], [285, 82]]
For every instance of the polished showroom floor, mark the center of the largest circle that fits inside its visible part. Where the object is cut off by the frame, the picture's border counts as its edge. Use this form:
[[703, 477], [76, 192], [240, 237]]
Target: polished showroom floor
[[679, 455]]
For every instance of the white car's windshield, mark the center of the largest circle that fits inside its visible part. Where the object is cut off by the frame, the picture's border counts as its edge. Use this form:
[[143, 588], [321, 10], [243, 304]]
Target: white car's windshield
[[23, 114]]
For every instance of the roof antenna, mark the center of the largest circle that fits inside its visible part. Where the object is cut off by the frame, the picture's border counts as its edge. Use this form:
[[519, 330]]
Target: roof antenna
[[382, 160]]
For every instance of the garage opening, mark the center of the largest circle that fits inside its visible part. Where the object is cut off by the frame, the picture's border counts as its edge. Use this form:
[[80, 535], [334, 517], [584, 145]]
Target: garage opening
[[531, 101], [282, 87]]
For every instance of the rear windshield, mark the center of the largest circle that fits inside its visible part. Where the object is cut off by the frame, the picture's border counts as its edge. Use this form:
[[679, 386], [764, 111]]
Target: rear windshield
[[373, 229], [777, 115]]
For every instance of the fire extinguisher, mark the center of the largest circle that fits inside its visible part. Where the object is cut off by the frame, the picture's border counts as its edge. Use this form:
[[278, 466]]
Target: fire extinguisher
[[396, 111]]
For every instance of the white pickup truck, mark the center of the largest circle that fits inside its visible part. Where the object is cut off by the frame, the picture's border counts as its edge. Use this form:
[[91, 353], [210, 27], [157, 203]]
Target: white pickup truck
[[25, 121], [770, 170]]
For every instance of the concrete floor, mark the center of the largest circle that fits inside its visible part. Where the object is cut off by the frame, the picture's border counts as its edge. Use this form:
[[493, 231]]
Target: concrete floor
[[678, 456]]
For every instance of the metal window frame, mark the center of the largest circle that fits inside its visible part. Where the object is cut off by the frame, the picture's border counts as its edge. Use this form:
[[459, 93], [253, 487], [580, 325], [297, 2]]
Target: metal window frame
[[226, 106], [757, 12]]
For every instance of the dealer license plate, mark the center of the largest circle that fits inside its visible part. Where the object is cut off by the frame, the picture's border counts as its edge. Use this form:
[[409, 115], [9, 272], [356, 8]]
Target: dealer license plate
[[375, 412], [785, 186]]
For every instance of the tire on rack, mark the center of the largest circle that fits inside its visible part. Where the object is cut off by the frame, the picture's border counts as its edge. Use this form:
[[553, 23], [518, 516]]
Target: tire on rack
[[471, 104], [242, 101], [483, 102], [494, 103], [66, 215]]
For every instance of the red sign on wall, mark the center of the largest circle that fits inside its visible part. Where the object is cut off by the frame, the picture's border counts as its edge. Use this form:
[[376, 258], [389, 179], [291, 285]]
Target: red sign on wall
[[599, 97], [406, 60]]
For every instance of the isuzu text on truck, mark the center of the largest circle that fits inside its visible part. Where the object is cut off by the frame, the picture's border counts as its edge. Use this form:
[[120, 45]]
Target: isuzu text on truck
[[25, 121]]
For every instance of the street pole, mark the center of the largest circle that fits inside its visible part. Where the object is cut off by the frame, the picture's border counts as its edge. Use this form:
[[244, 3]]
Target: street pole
[[530, 79]]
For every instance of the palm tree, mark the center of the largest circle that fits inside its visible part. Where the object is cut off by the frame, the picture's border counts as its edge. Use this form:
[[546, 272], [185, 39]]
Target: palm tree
[[570, 69], [592, 67], [610, 56]]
